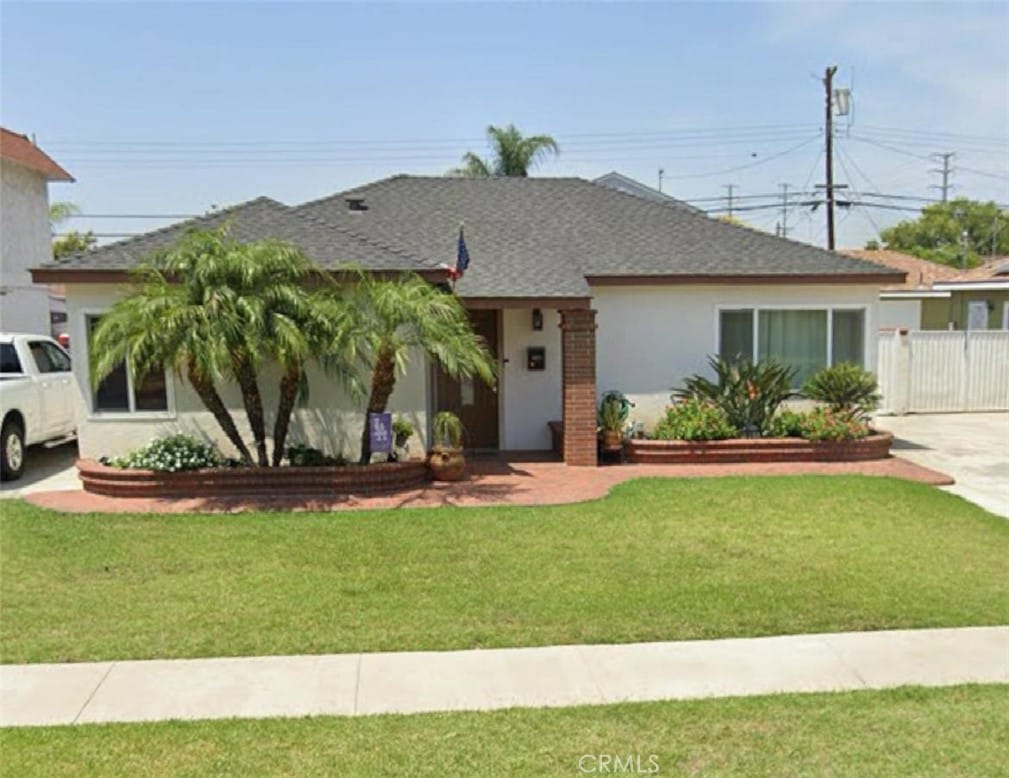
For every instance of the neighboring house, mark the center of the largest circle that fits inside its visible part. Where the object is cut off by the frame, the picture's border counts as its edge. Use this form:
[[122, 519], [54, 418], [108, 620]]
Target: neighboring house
[[25, 236], [622, 183], [577, 288], [940, 297]]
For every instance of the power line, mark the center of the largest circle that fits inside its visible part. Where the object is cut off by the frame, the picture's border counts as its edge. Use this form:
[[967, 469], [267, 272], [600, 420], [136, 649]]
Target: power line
[[851, 182], [935, 133], [704, 131], [890, 148], [132, 216], [751, 164]]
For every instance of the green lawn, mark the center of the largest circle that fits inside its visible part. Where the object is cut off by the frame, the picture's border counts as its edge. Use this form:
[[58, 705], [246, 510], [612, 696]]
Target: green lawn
[[659, 559], [904, 732]]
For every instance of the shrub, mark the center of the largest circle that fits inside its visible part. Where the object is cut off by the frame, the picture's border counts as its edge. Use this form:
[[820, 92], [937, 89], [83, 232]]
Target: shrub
[[401, 430], [829, 424], [786, 424], [748, 392], [171, 454], [694, 419], [306, 456], [846, 388]]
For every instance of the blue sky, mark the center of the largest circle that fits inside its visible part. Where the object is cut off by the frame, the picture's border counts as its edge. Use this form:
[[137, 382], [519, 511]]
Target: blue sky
[[172, 108]]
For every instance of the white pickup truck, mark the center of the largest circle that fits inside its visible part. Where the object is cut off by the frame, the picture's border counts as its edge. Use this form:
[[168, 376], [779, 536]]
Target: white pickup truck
[[37, 397]]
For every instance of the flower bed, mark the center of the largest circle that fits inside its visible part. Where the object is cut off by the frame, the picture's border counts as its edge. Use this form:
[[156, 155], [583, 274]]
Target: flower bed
[[874, 446], [242, 481]]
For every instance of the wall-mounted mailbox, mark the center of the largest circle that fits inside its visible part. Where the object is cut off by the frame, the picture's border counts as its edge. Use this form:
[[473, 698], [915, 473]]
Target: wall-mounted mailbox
[[536, 358]]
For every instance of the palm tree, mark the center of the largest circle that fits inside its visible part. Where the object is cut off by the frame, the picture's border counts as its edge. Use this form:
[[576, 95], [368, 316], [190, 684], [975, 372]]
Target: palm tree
[[215, 310], [514, 154], [61, 211], [408, 313], [73, 241]]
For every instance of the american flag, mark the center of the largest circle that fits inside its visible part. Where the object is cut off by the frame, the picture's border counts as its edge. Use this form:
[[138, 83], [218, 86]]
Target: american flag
[[461, 256]]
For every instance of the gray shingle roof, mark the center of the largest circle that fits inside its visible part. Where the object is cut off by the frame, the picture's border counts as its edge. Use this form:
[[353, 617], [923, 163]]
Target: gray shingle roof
[[527, 237], [327, 244], [544, 236], [622, 183]]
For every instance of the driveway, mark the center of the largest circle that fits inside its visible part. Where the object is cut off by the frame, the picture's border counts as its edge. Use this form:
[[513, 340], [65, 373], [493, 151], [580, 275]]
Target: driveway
[[46, 470], [971, 447]]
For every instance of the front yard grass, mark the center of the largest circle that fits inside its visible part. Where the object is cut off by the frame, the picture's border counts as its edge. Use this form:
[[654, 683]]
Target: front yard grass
[[911, 731], [659, 559]]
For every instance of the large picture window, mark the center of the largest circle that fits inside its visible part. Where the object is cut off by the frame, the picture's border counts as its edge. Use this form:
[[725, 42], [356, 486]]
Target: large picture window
[[806, 339], [118, 393]]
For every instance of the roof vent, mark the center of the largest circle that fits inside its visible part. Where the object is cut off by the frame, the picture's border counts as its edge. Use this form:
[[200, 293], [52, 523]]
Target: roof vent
[[356, 204]]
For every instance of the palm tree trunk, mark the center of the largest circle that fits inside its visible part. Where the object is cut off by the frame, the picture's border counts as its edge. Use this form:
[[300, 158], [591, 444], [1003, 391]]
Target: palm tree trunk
[[383, 381], [253, 402], [212, 400], [285, 405]]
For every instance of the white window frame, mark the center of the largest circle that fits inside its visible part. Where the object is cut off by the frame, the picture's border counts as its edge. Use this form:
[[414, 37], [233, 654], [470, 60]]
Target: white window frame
[[131, 414], [828, 308]]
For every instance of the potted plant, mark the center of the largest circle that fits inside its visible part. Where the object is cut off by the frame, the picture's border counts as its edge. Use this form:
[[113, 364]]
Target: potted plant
[[611, 421], [445, 458], [402, 431]]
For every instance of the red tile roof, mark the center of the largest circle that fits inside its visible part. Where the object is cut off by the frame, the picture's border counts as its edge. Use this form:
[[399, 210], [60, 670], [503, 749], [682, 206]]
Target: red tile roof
[[19, 149], [994, 269], [921, 273]]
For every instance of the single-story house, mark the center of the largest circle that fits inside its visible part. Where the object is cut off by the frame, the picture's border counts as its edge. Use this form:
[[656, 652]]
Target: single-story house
[[940, 297], [578, 289]]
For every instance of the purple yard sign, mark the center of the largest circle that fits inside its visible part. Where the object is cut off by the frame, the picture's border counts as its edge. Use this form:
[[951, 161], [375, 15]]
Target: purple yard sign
[[380, 432]]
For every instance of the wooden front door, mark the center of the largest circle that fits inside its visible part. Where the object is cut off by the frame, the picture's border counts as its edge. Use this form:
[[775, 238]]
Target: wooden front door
[[475, 403]]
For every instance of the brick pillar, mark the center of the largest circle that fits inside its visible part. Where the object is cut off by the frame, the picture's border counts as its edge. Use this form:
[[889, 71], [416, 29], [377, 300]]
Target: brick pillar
[[578, 353]]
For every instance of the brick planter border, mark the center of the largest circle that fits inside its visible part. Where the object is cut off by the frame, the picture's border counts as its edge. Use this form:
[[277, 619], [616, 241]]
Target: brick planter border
[[289, 482], [875, 446]]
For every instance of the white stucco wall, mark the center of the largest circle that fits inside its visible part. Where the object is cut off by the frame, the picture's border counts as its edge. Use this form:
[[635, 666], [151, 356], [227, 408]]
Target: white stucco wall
[[650, 338], [530, 398], [24, 243], [330, 420], [894, 314]]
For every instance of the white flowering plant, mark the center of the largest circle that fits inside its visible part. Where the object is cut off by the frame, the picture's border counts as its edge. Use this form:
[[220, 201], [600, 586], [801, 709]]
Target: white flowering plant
[[171, 454]]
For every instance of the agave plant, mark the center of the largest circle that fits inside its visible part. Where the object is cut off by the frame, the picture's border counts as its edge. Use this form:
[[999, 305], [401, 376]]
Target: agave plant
[[846, 388], [748, 392]]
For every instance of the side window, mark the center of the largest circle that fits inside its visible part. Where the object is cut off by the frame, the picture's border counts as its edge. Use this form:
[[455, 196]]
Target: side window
[[41, 357], [118, 392], [9, 362], [57, 358]]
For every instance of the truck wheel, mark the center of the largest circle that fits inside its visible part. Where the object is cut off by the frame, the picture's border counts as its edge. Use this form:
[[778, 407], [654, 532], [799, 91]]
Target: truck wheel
[[12, 451]]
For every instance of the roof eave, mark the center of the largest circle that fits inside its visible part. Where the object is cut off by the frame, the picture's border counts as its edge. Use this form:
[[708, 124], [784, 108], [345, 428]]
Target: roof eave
[[79, 275], [739, 278]]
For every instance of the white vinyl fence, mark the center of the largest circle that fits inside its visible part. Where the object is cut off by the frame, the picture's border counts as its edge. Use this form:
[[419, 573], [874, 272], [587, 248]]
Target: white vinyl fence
[[932, 372]]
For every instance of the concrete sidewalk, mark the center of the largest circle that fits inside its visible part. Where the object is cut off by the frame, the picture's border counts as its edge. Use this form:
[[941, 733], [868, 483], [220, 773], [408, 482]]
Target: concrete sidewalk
[[413, 682]]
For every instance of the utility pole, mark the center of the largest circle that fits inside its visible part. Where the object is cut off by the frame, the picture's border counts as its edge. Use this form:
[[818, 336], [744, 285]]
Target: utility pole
[[784, 210], [828, 81], [945, 171], [730, 187]]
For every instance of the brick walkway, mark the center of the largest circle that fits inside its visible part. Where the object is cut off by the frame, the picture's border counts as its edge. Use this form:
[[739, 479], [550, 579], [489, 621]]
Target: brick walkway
[[491, 482]]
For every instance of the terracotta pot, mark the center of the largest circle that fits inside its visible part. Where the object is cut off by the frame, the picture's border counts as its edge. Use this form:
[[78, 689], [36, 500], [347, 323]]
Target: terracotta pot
[[612, 438], [446, 464]]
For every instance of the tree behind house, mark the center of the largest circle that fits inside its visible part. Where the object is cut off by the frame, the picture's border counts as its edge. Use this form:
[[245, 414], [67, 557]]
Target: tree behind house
[[957, 233], [514, 154]]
